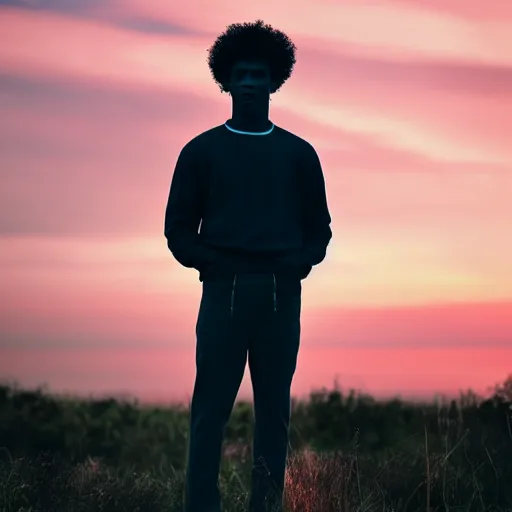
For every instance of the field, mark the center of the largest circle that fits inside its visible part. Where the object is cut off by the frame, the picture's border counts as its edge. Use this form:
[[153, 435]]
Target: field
[[349, 452]]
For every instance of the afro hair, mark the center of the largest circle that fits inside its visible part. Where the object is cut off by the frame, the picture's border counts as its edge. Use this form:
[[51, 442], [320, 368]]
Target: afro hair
[[252, 41]]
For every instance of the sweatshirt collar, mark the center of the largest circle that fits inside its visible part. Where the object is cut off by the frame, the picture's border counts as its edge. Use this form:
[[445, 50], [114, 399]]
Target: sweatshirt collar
[[267, 132]]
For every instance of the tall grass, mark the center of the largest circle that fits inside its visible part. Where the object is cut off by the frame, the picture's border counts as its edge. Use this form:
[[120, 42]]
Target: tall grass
[[348, 452]]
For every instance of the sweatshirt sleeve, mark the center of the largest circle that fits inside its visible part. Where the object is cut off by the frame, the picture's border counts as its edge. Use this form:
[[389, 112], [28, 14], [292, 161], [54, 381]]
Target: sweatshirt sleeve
[[184, 212], [316, 217]]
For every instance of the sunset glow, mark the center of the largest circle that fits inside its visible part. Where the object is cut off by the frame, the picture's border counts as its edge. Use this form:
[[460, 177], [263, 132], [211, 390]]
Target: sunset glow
[[410, 110]]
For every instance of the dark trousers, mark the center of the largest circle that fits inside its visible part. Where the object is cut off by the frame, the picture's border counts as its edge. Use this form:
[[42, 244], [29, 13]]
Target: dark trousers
[[254, 317]]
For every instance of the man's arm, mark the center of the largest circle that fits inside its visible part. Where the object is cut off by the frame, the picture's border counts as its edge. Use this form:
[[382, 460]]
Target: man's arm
[[184, 212], [316, 217]]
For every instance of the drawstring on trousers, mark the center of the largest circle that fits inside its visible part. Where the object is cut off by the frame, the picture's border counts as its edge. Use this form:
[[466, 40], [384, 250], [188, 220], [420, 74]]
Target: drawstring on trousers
[[275, 293], [233, 294]]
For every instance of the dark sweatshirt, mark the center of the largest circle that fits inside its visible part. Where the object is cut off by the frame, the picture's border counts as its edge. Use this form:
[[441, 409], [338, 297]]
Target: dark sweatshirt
[[260, 202]]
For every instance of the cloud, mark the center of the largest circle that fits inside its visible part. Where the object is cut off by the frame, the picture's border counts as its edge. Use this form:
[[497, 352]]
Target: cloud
[[78, 159], [338, 66], [83, 49], [470, 9], [435, 325], [151, 26], [98, 11], [384, 29], [426, 108], [393, 111], [76, 8], [464, 28], [128, 292], [114, 147], [67, 284]]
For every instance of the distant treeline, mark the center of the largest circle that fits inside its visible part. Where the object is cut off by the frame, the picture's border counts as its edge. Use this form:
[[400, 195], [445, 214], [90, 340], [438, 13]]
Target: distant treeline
[[126, 432]]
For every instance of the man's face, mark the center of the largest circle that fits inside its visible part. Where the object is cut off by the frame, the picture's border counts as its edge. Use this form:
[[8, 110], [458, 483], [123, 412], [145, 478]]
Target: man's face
[[250, 84]]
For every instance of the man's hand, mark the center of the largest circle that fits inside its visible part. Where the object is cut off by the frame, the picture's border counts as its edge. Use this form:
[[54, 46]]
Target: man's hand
[[295, 263]]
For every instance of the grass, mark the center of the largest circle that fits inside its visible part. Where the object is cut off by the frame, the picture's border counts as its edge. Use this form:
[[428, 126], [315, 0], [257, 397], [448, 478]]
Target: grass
[[349, 452]]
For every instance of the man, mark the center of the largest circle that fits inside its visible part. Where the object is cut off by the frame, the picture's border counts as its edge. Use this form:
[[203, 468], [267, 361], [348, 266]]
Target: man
[[258, 192]]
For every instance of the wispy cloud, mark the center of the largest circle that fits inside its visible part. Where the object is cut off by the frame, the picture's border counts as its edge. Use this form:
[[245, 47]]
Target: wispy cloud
[[99, 11], [383, 28], [473, 10]]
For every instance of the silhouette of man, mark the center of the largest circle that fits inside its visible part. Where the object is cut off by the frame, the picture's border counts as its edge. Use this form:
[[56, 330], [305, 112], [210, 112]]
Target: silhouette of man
[[258, 192]]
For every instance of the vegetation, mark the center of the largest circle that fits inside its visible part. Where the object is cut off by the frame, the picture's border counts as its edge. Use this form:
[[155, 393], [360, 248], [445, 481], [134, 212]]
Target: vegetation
[[349, 453]]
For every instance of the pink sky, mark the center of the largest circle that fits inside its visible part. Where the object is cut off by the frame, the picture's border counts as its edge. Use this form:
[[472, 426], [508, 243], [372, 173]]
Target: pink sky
[[409, 106]]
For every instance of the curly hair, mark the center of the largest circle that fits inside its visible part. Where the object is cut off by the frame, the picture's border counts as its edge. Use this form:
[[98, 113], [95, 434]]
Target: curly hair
[[252, 41]]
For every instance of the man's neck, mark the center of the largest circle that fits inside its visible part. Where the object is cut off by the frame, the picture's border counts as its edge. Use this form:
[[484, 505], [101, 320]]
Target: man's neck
[[250, 123]]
